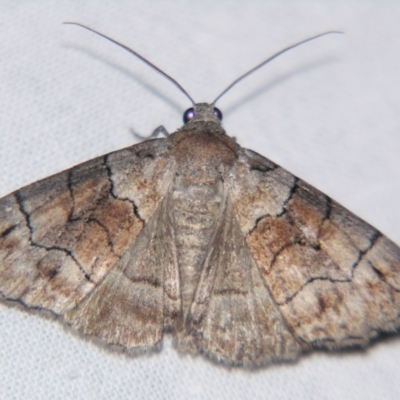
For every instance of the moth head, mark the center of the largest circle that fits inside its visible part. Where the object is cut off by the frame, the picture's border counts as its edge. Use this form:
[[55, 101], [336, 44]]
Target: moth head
[[202, 112]]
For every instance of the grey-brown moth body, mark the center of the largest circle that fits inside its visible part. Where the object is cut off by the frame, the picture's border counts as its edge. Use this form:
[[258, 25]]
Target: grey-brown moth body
[[192, 234]]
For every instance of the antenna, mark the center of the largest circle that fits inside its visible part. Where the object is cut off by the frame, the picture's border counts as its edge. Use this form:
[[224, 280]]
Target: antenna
[[268, 60], [138, 56], [150, 64]]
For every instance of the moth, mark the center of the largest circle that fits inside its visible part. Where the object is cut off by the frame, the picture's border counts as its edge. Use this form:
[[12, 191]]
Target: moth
[[194, 235]]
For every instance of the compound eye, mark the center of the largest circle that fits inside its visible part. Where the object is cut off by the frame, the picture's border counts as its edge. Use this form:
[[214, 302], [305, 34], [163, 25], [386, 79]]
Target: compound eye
[[217, 112], [188, 115]]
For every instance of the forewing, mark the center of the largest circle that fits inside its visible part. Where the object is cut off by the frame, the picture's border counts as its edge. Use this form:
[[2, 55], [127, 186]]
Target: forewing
[[233, 317], [335, 278], [60, 236]]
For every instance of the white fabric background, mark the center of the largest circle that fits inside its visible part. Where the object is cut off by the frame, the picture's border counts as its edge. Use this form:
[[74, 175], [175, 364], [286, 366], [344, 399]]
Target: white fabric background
[[327, 111]]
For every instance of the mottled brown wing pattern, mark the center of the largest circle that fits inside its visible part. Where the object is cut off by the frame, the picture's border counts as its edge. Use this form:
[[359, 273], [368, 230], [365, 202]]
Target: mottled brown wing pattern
[[127, 307], [335, 278], [60, 236], [233, 316]]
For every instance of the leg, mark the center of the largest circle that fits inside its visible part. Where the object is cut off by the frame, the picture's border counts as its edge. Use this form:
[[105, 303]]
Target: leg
[[159, 130]]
